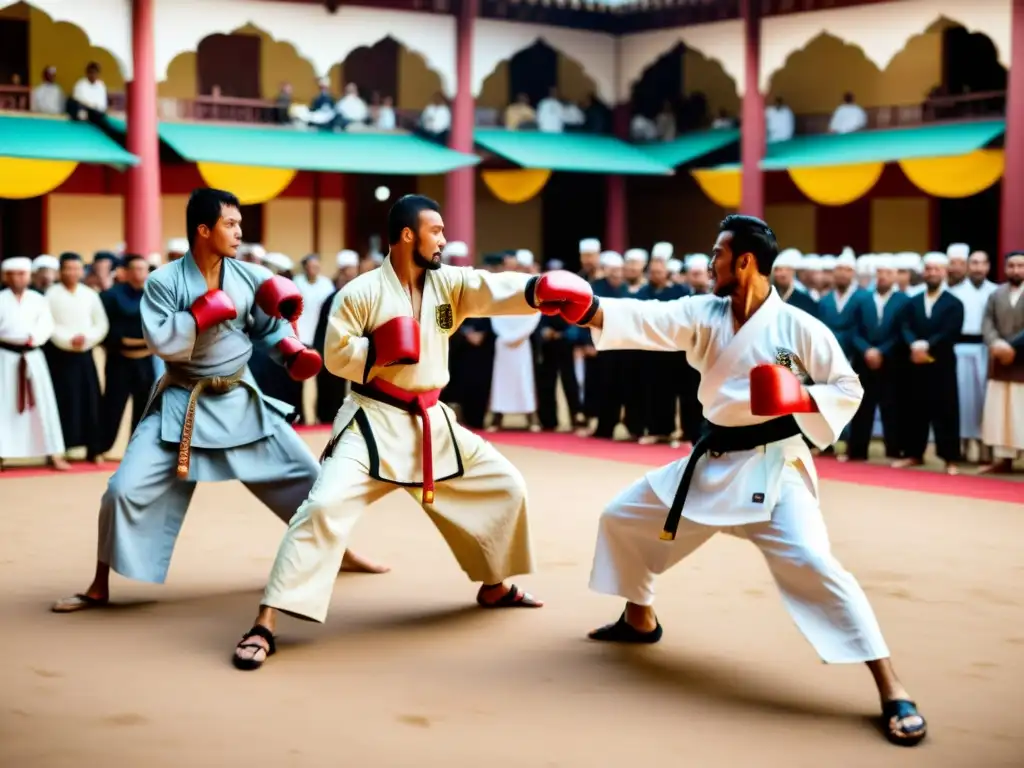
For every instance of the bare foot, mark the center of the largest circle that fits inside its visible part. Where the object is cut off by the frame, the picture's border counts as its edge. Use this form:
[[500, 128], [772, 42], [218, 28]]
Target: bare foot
[[353, 563], [904, 463], [59, 464], [952, 469]]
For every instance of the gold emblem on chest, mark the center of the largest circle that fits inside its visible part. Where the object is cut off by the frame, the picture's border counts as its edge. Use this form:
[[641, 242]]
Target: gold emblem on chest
[[445, 317], [784, 358]]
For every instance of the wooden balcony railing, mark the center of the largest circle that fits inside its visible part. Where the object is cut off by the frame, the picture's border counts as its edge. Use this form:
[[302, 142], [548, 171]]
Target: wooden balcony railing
[[18, 98], [971, 106]]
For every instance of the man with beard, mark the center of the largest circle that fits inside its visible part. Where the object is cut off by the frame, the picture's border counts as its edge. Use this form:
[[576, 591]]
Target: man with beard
[[129, 371], [931, 325], [79, 324], [388, 334], [590, 259], [879, 359], [836, 308], [102, 271], [44, 273], [1003, 329], [968, 281], [784, 278]]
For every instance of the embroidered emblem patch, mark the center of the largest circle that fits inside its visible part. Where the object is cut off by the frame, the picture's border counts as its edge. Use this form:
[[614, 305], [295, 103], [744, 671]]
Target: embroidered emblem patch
[[445, 317], [784, 358]]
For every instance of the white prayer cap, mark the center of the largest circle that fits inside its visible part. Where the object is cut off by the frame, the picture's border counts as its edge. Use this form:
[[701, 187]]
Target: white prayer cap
[[590, 245], [377, 257], [847, 258], [155, 259], [935, 258], [662, 251], [177, 245], [17, 264], [524, 257], [827, 262], [789, 258], [810, 261], [961, 251], [675, 266], [347, 258], [866, 263], [885, 261], [278, 261], [697, 261], [456, 248], [257, 251], [45, 262], [610, 259], [636, 255]]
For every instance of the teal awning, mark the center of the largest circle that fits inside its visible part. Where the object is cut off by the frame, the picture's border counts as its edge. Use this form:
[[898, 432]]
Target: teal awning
[[348, 152], [572, 152], [690, 146], [45, 138], [887, 146]]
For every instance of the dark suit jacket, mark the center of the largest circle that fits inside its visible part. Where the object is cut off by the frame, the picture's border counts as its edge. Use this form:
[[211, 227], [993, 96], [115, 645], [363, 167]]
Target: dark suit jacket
[[803, 300], [941, 330], [841, 323], [670, 292], [884, 335]]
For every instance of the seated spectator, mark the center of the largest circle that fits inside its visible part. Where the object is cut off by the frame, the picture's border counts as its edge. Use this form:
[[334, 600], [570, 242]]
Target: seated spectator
[[321, 110], [723, 121], [598, 116], [551, 113], [436, 118], [351, 108], [780, 124], [385, 119], [283, 103], [573, 116], [520, 115], [848, 117], [89, 98], [665, 122], [642, 128], [48, 97]]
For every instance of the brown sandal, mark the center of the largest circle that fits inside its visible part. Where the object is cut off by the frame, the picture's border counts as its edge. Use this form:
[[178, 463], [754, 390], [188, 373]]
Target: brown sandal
[[252, 663], [514, 598]]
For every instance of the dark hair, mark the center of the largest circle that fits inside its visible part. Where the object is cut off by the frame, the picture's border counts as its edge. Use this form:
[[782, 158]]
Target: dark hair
[[405, 213], [69, 256], [848, 97], [132, 257], [1014, 254], [751, 235], [204, 207], [92, 65], [103, 256]]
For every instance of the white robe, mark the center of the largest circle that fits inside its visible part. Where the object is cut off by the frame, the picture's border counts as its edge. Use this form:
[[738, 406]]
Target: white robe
[[313, 297], [972, 358], [767, 495], [513, 388], [36, 431]]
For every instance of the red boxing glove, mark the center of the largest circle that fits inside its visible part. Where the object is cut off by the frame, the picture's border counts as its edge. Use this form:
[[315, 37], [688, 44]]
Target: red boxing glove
[[300, 361], [280, 297], [213, 308], [397, 342], [562, 293], [776, 391]]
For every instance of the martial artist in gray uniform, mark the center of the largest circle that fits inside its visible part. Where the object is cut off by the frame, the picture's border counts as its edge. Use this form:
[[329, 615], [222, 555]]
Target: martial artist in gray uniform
[[207, 420]]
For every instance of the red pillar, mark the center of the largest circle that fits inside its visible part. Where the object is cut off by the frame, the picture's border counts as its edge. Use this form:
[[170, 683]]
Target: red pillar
[[1011, 229], [142, 196], [752, 140], [460, 186], [616, 213]]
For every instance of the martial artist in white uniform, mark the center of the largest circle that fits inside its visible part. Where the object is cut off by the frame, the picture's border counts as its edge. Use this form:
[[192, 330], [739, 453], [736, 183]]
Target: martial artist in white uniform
[[752, 477], [973, 290], [29, 419]]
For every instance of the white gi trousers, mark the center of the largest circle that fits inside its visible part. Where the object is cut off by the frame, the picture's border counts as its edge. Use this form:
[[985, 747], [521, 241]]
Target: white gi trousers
[[826, 602]]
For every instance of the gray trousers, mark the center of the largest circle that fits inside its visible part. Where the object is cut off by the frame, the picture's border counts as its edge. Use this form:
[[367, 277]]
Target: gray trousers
[[145, 502]]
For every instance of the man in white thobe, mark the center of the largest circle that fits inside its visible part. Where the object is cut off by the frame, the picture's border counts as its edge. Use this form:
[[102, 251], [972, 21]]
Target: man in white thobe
[[968, 281], [780, 123], [29, 420], [315, 289], [514, 383], [770, 375], [1003, 329], [848, 117]]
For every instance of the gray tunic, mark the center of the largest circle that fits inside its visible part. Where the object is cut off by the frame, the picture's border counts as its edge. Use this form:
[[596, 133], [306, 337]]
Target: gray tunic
[[238, 435]]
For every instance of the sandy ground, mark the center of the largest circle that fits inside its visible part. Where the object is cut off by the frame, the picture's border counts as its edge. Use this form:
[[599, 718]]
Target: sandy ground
[[407, 672]]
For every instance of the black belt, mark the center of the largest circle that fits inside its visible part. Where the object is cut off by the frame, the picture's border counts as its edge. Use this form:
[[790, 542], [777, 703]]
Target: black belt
[[970, 338], [718, 440], [18, 349]]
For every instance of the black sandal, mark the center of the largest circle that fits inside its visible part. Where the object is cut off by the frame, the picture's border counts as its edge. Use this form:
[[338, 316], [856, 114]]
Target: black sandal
[[253, 663], [514, 598], [623, 632], [897, 710]]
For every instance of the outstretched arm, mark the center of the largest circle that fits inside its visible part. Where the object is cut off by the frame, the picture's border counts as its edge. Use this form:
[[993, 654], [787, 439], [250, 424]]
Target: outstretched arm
[[479, 293], [656, 326]]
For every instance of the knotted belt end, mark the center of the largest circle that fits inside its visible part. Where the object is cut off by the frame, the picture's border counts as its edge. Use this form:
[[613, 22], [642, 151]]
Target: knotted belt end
[[667, 536], [428, 497]]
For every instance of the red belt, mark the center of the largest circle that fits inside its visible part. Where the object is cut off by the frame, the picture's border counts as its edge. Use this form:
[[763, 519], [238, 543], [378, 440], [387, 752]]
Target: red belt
[[418, 404], [26, 397]]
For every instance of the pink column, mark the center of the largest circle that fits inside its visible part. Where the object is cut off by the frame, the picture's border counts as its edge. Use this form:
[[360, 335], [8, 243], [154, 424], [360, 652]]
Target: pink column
[[752, 139], [616, 212], [142, 196], [1011, 230], [460, 186]]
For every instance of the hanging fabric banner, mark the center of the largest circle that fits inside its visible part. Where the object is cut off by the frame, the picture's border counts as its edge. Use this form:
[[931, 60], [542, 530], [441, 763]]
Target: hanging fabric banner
[[837, 184], [960, 176], [724, 186], [21, 178], [516, 186], [250, 184]]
